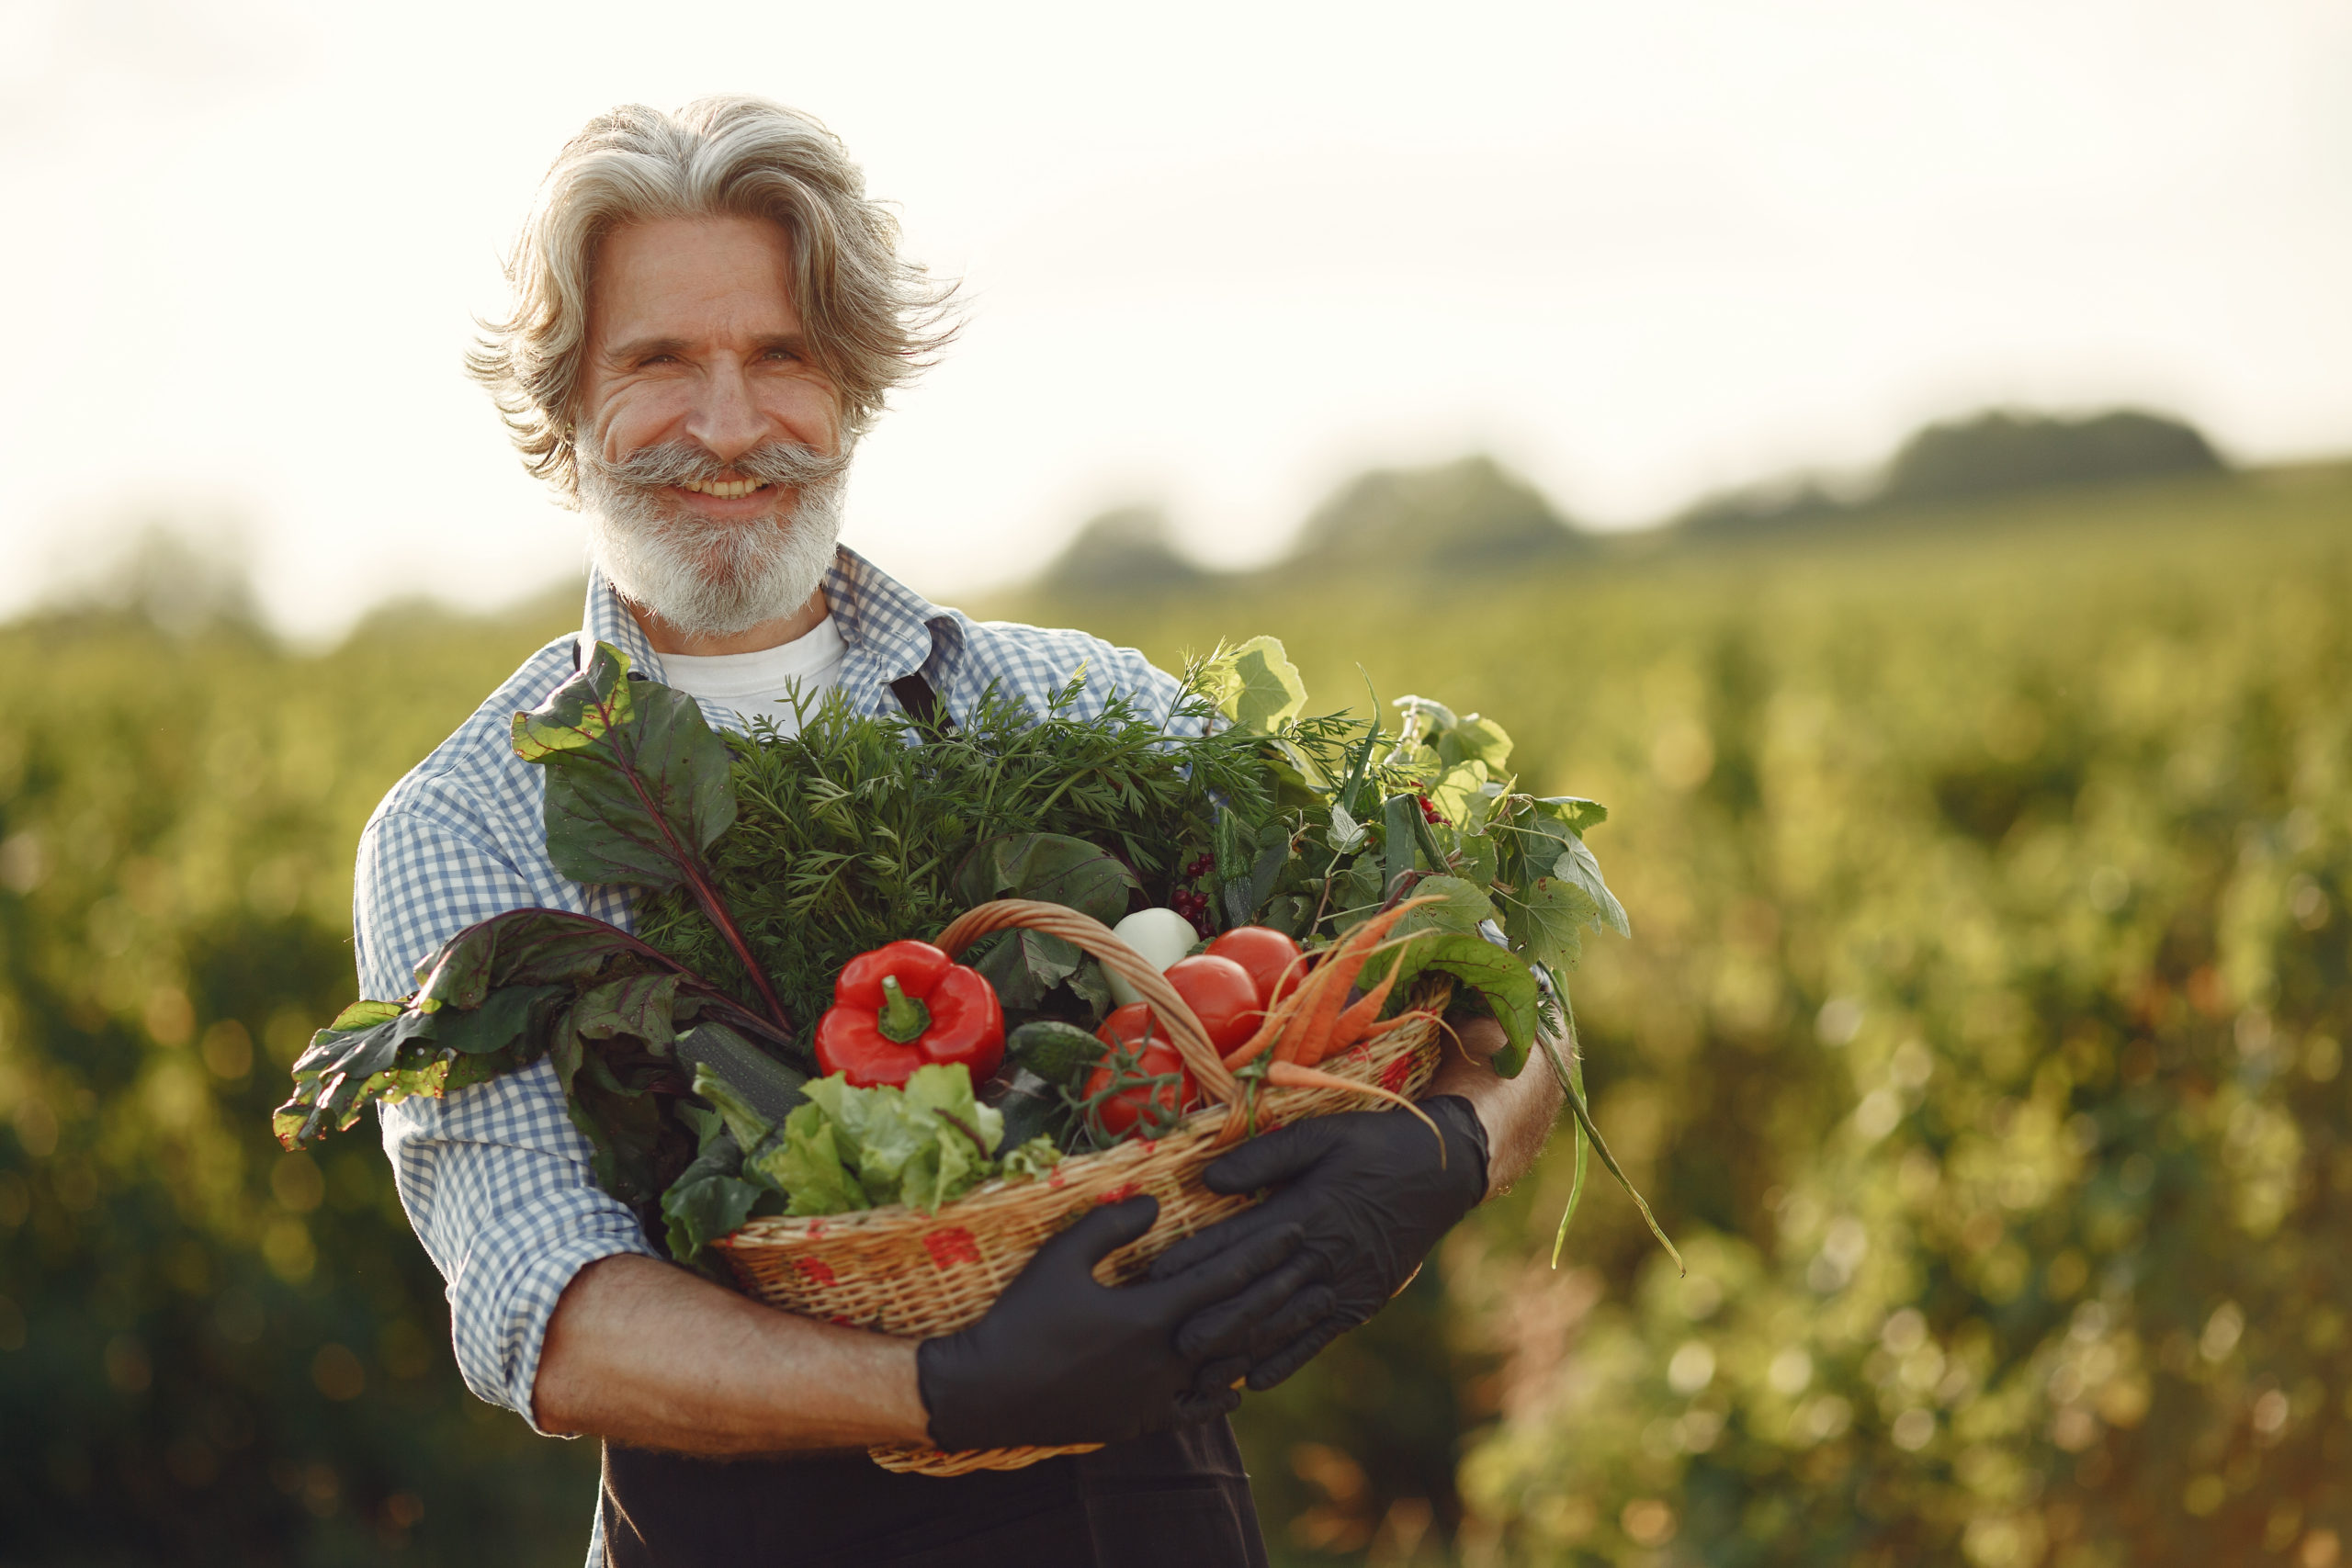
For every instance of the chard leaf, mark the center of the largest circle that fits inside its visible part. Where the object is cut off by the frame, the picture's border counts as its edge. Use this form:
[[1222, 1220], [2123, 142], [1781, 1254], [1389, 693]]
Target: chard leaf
[[638, 784], [1498, 975], [503, 1020], [638, 1006], [1020, 966], [360, 1016], [1091, 987], [637, 789]]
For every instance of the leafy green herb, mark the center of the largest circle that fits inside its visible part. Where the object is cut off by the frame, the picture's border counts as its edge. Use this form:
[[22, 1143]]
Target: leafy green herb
[[858, 831]]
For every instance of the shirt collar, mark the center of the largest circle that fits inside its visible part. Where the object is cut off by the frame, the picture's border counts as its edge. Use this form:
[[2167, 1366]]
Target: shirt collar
[[889, 629]]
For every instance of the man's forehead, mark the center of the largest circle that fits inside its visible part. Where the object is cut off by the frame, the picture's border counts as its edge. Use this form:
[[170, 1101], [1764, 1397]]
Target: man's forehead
[[686, 277]]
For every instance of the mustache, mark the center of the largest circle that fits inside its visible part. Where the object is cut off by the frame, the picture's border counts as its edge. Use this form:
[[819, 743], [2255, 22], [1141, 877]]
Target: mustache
[[788, 465]]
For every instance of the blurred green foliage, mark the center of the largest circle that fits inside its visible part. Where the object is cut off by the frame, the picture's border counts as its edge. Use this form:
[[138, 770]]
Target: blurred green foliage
[[1980, 1041], [212, 1351]]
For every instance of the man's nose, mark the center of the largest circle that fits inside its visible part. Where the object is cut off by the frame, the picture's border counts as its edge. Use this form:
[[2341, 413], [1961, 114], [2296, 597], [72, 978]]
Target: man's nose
[[725, 419]]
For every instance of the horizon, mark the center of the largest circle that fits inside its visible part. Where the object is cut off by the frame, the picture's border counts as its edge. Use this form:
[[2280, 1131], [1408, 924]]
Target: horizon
[[1638, 258]]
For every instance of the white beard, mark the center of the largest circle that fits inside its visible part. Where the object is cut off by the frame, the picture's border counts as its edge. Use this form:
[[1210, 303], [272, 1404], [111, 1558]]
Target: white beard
[[710, 579]]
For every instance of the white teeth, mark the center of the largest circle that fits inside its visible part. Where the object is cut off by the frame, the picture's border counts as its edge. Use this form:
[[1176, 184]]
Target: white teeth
[[725, 489]]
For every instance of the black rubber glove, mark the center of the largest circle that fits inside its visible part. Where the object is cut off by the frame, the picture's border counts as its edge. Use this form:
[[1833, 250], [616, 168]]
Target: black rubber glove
[[1060, 1359], [1368, 1189]]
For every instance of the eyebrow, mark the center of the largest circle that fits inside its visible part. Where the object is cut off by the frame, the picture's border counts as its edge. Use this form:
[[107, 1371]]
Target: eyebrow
[[646, 347]]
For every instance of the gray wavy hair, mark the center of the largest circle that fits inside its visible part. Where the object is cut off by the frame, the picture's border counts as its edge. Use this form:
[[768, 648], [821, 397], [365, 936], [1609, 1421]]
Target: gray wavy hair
[[874, 318]]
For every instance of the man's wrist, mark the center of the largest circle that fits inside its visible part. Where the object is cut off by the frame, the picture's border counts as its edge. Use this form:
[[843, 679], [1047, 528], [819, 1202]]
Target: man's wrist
[[1516, 1115]]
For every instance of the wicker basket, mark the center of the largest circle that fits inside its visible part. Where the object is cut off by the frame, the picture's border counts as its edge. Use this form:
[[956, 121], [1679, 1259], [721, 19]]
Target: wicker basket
[[899, 1271]]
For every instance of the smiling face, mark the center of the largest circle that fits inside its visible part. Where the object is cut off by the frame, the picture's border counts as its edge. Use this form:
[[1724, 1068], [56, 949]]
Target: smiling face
[[711, 446]]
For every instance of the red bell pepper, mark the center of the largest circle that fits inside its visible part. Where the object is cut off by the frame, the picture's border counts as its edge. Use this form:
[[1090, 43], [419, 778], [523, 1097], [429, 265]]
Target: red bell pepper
[[907, 1005]]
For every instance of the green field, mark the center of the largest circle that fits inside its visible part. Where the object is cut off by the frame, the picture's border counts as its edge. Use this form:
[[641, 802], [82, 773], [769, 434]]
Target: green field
[[1979, 1042]]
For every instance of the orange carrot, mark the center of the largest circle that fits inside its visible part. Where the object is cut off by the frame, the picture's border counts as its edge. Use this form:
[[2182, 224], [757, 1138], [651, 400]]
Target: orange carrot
[[1313, 1016], [1357, 1020], [1337, 973], [1290, 1075], [1269, 1030], [1390, 1025]]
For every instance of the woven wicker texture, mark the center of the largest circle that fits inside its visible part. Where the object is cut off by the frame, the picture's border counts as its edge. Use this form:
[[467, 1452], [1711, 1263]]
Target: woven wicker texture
[[901, 1272]]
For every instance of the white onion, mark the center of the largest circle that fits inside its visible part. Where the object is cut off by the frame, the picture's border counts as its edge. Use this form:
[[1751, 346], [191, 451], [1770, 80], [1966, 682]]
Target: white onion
[[1163, 936]]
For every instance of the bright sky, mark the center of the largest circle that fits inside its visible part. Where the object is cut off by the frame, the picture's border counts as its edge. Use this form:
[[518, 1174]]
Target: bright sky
[[1217, 255]]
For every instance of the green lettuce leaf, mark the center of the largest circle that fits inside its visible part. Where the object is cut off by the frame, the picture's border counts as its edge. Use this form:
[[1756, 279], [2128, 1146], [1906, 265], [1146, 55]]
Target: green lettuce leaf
[[923, 1145]]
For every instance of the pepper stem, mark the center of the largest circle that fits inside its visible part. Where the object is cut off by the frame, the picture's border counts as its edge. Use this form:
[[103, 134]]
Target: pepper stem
[[902, 1019]]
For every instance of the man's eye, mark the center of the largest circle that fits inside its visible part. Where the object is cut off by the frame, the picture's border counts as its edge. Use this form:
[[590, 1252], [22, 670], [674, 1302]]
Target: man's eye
[[782, 355]]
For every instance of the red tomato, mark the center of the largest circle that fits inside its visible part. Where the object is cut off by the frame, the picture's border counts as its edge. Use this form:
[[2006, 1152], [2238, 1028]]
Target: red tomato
[[1268, 955], [1221, 995], [1133, 1025]]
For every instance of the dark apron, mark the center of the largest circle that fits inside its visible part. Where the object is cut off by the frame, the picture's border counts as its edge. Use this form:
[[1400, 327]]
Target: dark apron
[[1174, 1500]]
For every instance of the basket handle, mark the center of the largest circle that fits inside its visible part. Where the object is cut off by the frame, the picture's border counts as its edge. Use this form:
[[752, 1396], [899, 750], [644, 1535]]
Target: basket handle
[[1090, 935]]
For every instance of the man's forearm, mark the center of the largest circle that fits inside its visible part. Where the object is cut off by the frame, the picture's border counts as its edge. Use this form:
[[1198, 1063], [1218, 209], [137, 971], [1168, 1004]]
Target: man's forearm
[[1518, 1113], [644, 1353]]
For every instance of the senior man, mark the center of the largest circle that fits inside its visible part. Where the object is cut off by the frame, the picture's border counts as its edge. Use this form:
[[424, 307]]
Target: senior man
[[708, 313]]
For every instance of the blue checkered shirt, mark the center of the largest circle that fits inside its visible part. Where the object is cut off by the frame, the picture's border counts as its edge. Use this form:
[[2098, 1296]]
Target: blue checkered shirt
[[495, 1178]]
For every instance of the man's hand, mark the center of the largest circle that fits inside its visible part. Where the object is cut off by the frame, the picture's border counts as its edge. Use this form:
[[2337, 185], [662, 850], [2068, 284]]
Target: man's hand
[[1372, 1193], [1060, 1359]]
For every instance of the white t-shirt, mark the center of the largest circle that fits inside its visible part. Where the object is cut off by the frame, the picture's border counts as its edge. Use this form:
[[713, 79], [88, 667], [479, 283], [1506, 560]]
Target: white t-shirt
[[756, 684]]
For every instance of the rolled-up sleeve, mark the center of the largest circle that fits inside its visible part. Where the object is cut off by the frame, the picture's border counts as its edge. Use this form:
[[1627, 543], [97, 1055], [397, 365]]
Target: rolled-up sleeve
[[496, 1179]]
